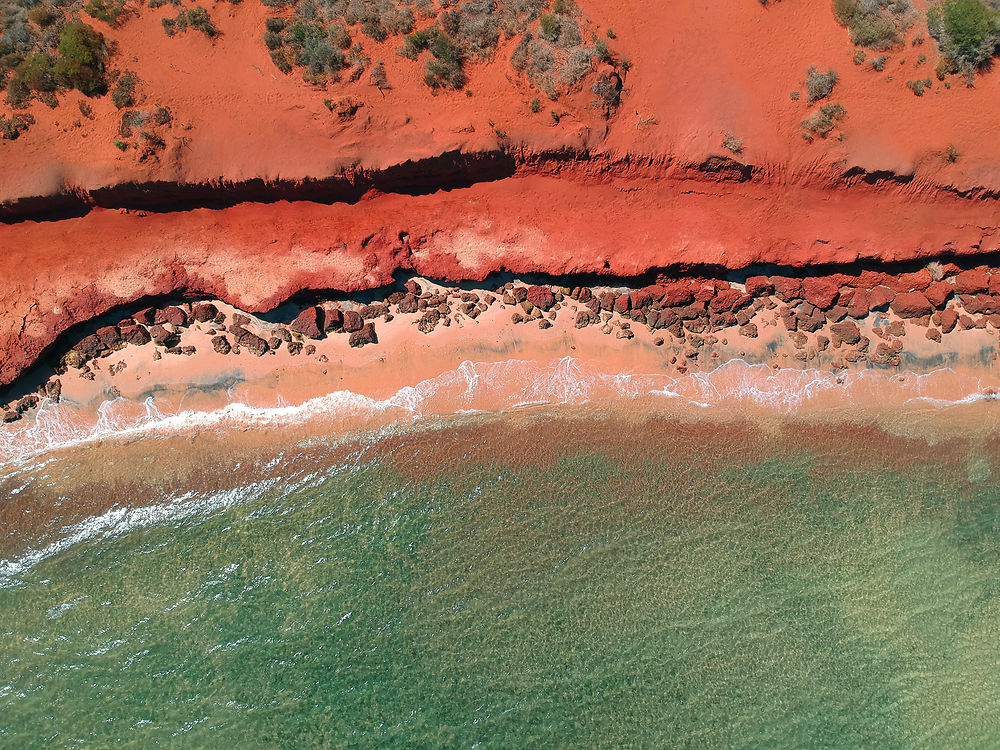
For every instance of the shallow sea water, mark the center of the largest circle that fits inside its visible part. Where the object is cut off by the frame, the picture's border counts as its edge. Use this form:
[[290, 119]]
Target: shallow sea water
[[560, 578]]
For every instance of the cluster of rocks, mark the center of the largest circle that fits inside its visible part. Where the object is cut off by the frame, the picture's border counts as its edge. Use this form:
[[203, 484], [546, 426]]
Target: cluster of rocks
[[818, 314]]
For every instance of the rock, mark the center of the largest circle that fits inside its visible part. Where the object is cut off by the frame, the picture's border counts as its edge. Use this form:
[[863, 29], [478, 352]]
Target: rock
[[938, 293], [334, 319], [248, 340], [822, 343], [203, 312], [89, 347], [365, 336], [933, 334], [758, 286], [973, 281], [309, 323], [820, 291], [274, 343], [583, 319], [622, 304], [27, 402], [726, 300], [162, 337], [136, 335], [352, 321], [53, 389], [946, 319], [787, 288], [836, 313], [846, 331], [294, 347], [749, 330], [519, 293], [911, 305], [408, 304], [858, 306], [608, 300], [221, 345], [145, 317], [173, 315], [309, 350], [240, 320], [284, 334], [110, 336], [543, 324], [879, 297], [429, 320], [916, 281], [541, 297], [377, 310], [413, 288], [187, 350], [10, 416], [981, 304]]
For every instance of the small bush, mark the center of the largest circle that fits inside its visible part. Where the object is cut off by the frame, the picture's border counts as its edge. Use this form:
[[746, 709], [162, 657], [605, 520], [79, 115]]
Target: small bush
[[952, 153], [731, 143], [822, 121], [970, 32], [275, 24], [878, 63], [81, 59], [535, 105], [876, 24], [609, 91], [42, 16], [37, 72], [859, 56], [12, 127], [379, 79], [820, 85], [162, 116], [123, 94], [112, 12], [918, 87], [18, 93], [549, 27], [121, 145]]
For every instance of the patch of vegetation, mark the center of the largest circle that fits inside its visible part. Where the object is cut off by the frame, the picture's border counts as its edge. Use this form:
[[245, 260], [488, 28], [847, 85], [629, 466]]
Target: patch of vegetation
[[535, 105], [82, 53], [112, 12], [951, 153], [875, 24], [731, 143], [878, 63], [822, 121], [123, 94], [447, 36], [11, 127], [967, 32], [819, 85], [196, 18], [918, 87], [121, 145]]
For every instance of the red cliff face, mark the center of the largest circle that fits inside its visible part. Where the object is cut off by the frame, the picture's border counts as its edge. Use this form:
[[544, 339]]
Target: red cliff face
[[263, 192]]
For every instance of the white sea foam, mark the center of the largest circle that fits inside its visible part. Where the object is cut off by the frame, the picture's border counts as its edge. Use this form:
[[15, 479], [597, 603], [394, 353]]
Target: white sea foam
[[477, 387]]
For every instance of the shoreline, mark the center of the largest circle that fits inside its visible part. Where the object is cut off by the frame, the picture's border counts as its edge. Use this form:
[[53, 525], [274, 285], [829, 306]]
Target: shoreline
[[495, 350]]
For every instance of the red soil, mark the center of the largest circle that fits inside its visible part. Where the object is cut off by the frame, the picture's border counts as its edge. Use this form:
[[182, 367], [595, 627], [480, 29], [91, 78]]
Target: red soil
[[638, 192]]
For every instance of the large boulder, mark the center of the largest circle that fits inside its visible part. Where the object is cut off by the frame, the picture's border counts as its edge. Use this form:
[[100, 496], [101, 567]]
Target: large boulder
[[973, 281], [334, 319], [90, 347], [110, 336], [758, 286], [173, 315], [911, 305], [938, 293], [352, 321], [309, 323], [541, 297], [820, 291], [204, 312], [846, 331], [221, 345], [136, 335], [879, 297], [248, 340], [162, 337], [365, 336]]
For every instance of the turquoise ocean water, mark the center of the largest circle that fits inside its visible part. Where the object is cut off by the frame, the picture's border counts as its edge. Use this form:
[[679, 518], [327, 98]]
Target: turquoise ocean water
[[562, 578]]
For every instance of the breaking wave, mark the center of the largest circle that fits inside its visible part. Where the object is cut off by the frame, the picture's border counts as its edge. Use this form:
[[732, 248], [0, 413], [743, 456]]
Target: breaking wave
[[737, 387]]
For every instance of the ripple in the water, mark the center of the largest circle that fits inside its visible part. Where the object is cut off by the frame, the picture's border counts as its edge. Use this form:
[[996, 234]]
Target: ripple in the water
[[540, 581]]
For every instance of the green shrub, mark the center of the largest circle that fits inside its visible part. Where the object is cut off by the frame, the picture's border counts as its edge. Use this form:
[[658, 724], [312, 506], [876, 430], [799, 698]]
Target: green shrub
[[12, 127], [123, 94], [112, 12], [822, 121], [535, 105], [549, 27], [37, 72], [18, 93], [81, 59], [121, 145], [819, 85], [970, 32], [918, 87], [875, 24]]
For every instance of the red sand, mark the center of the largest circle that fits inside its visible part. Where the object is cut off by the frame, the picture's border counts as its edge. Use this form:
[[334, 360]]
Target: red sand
[[636, 193]]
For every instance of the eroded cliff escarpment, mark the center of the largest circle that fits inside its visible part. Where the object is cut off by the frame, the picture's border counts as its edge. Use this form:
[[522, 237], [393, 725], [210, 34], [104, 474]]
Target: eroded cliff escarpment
[[555, 213]]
